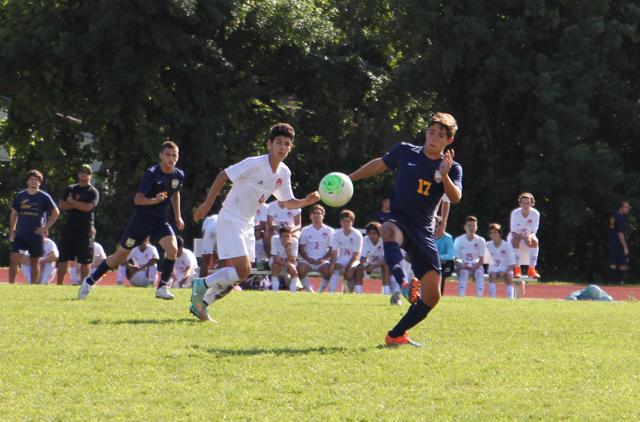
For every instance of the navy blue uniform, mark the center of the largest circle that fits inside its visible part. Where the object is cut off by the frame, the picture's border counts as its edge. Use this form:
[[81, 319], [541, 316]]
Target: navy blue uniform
[[32, 213], [76, 242], [417, 191], [151, 220], [616, 251]]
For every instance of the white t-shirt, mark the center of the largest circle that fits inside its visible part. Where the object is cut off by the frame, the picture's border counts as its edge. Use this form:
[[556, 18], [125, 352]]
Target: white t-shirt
[[373, 253], [502, 256], [186, 261], [261, 214], [278, 249], [346, 245], [141, 257], [469, 251], [316, 241], [525, 226], [282, 216], [253, 183], [48, 246]]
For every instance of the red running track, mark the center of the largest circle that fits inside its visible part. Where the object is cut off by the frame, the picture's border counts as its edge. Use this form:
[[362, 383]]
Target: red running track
[[533, 291]]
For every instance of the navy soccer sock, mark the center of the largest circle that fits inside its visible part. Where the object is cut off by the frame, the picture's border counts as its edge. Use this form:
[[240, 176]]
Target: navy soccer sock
[[98, 272], [393, 257], [620, 276], [417, 312], [167, 270]]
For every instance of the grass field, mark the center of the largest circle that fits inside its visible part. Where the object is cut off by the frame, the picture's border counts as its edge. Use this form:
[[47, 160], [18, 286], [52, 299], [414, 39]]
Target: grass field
[[123, 355]]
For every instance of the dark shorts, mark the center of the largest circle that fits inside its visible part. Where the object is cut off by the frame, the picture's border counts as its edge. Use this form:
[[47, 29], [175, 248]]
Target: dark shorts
[[420, 245], [139, 227], [76, 247], [617, 256], [32, 242]]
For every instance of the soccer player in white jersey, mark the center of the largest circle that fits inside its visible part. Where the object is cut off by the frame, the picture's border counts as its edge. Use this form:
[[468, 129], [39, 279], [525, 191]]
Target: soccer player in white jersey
[[503, 261], [284, 253], [142, 265], [48, 261], [209, 244], [469, 251], [524, 226], [346, 247], [315, 248], [254, 180], [186, 263], [99, 255], [372, 259]]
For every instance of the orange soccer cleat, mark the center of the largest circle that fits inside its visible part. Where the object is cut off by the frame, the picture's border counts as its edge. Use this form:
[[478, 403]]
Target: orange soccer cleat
[[411, 290], [532, 273], [517, 272], [401, 341]]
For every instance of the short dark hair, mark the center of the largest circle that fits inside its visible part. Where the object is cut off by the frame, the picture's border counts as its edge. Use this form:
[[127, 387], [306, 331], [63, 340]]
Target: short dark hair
[[347, 214], [495, 226], [471, 218], [373, 226], [35, 173], [282, 129], [284, 229], [180, 242], [447, 121], [169, 144]]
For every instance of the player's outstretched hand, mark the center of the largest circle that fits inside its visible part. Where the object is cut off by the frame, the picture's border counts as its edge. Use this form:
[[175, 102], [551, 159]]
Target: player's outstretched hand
[[312, 198], [447, 162], [200, 212]]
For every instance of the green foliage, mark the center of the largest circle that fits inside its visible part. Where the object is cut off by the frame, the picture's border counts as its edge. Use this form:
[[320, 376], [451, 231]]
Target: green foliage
[[123, 355], [546, 95]]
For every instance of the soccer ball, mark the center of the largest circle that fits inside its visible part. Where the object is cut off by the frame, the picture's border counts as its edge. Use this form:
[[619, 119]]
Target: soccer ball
[[335, 189]]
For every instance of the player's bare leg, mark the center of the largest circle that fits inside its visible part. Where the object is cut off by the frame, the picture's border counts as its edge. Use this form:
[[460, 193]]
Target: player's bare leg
[[35, 270], [14, 262]]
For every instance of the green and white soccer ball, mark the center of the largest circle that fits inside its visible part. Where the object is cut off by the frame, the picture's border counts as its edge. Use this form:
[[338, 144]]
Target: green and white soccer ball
[[335, 189]]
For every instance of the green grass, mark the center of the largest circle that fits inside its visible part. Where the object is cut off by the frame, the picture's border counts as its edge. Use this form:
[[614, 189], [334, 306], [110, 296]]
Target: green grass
[[123, 355]]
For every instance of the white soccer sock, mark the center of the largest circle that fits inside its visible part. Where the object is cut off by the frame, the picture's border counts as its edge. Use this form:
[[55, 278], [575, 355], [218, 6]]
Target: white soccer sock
[[395, 287], [293, 284], [463, 276], [333, 282], [323, 284], [358, 289], [275, 283], [533, 256], [306, 285], [492, 289], [222, 278], [386, 290], [510, 291], [478, 275]]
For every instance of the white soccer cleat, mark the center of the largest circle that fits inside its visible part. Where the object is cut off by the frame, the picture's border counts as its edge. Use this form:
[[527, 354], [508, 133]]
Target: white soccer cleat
[[85, 288], [163, 293]]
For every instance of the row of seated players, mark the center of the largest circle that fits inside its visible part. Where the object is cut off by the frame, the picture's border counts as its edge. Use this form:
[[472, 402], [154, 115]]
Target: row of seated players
[[293, 253]]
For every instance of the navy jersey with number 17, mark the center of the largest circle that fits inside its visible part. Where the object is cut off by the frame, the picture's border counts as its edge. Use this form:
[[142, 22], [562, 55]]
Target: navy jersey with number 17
[[418, 183]]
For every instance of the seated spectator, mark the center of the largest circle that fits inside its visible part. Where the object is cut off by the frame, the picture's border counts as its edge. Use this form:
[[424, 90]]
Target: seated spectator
[[259, 229], [446, 252], [315, 248], [185, 267], [278, 215], [142, 265], [346, 247], [209, 244], [503, 261], [98, 256], [524, 226], [47, 263], [469, 251], [284, 252], [372, 260]]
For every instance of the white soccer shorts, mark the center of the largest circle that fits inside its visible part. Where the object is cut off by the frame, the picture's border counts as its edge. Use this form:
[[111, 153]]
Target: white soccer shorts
[[235, 239]]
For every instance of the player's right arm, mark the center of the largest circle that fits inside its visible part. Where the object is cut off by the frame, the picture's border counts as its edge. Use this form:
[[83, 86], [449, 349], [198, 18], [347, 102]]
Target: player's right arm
[[372, 168], [214, 191]]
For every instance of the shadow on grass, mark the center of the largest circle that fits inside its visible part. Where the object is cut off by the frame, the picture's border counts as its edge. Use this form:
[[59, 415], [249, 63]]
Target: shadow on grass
[[288, 351], [140, 321]]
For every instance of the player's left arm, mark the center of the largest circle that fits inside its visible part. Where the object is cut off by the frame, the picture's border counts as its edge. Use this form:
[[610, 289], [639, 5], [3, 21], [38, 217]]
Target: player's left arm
[[453, 192], [370, 169], [175, 202]]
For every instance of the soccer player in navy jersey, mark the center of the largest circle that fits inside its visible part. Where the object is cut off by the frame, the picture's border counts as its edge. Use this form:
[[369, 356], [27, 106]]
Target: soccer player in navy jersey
[[159, 187], [618, 246], [423, 174]]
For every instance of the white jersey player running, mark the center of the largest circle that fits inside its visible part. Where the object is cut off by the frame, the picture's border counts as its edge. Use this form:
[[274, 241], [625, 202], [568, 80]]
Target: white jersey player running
[[503, 260], [254, 180], [315, 248], [469, 252], [524, 227]]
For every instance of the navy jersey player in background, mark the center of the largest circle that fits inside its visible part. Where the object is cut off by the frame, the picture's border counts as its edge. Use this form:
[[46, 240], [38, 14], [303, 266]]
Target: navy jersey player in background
[[159, 187], [618, 247], [423, 174]]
